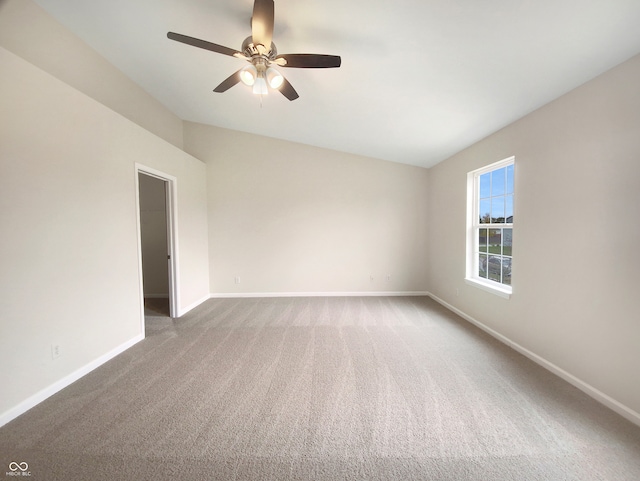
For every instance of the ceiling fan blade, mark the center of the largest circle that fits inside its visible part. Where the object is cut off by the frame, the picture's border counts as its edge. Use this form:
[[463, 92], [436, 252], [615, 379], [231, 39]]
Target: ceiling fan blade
[[262, 23], [228, 82], [287, 90], [196, 42], [308, 60]]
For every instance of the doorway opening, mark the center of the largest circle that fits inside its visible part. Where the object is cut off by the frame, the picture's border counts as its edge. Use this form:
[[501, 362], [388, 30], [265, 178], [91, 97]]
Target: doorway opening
[[157, 240]]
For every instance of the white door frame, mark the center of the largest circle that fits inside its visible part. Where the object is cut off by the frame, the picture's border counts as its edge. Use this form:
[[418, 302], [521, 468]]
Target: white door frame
[[171, 186]]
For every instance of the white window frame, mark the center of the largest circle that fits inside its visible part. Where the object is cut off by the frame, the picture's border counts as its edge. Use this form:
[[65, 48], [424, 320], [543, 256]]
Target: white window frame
[[473, 224]]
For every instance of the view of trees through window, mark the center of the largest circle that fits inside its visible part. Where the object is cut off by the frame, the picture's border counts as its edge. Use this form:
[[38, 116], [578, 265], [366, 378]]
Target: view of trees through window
[[495, 224]]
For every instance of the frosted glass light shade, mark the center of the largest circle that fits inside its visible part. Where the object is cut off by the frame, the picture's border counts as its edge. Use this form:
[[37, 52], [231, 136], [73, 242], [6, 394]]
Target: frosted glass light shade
[[260, 86], [248, 75], [274, 78]]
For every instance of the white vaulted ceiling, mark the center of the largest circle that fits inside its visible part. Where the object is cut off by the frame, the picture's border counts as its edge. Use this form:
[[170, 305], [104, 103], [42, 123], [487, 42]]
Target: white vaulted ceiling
[[420, 79]]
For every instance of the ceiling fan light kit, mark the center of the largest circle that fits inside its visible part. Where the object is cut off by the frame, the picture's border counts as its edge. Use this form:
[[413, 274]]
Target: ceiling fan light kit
[[262, 55]]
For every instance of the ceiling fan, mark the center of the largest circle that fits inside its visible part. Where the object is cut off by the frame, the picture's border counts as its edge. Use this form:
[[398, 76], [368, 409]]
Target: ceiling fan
[[262, 55]]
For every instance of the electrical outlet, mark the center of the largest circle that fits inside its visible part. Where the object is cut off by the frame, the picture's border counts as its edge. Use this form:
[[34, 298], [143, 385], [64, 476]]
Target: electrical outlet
[[237, 279], [371, 278], [388, 277], [55, 351]]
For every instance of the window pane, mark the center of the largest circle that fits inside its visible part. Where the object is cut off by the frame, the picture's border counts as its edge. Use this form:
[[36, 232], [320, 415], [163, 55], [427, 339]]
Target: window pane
[[482, 240], [491, 232], [497, 210], [494, 268], [510, 179], [507, 242], [482, 266], [498, 181], [495, 241], [506, 271], [485, 211], [508, 208], [485, 185]]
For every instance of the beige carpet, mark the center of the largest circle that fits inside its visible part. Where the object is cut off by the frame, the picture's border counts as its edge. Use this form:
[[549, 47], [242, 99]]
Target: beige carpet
[[321, 389]]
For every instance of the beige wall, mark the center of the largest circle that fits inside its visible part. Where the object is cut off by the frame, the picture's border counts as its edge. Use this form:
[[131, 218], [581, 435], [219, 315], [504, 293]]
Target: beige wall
[[69, 245], [286, 217], [30, 32], [576, 235]]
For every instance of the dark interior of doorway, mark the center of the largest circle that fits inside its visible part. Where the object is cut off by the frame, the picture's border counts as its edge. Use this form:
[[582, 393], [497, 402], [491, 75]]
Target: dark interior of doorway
[[154, 241], [156, 307]]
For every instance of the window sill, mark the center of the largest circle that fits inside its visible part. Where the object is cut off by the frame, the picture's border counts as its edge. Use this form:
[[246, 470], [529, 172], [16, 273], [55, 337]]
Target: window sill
[[492, 287]]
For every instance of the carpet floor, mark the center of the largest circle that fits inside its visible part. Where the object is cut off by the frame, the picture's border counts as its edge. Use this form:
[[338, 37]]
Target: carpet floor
[[321, 389]]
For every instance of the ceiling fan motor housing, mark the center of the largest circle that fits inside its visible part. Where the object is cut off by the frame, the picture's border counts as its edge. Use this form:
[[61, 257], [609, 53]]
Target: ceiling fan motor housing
[[252, 50]]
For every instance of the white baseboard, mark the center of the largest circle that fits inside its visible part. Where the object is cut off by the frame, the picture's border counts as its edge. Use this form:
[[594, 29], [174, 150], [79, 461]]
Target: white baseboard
[[40, 396], [599, 396], [223, 295], [193, 305]]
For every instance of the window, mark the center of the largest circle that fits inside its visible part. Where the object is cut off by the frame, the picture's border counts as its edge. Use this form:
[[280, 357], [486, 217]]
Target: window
[[490, 192]]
